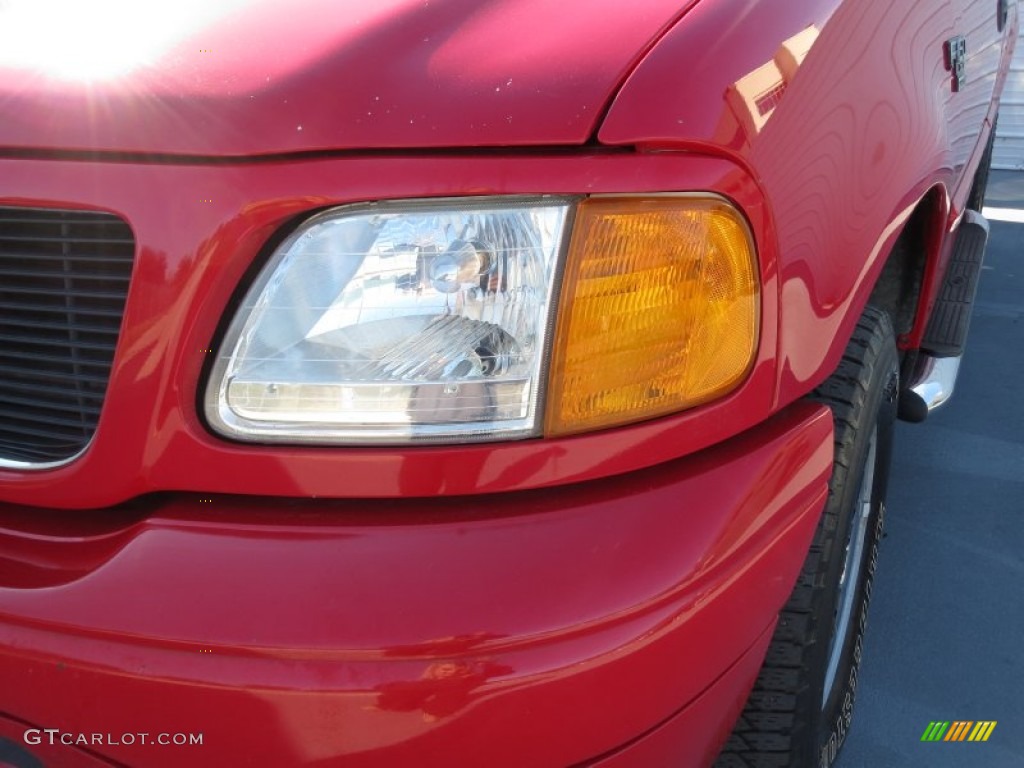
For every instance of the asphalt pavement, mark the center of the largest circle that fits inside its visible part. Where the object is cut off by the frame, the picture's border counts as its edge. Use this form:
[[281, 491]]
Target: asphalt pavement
[[946, 630]]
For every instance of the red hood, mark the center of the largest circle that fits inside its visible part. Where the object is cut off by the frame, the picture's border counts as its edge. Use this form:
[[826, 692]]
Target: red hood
[[244, 78]]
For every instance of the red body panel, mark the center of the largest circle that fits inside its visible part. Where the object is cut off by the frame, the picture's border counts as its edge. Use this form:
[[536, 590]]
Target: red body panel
[[234, 78], [845, 115], [541, 628], [694, 736]]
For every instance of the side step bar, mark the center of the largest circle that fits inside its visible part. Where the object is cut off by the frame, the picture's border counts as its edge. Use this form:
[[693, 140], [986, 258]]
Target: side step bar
[[946, 335], [938, 363]]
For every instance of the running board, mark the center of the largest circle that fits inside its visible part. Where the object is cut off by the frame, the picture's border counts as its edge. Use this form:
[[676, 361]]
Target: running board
[[933, 385], [946, 334], [937, 365]]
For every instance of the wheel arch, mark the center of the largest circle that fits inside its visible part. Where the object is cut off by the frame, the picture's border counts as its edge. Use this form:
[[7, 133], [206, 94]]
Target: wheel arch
[[911, 264], [899, 278]]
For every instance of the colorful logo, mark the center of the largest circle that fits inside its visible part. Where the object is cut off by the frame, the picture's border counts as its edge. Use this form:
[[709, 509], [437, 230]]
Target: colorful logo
[[959, 730]]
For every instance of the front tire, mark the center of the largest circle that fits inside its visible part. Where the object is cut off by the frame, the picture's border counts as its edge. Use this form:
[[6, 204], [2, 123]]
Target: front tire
[[799, 712]]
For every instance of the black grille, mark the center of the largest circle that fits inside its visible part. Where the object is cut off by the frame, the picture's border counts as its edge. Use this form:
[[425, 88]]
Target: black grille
[[63, 283]]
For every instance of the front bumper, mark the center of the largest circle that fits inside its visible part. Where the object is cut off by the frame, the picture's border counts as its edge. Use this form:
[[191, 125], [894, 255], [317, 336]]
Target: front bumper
[[617, 622]]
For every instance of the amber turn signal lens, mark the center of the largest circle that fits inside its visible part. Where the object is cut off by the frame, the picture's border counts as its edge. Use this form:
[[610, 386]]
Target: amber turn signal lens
[[659, 311]]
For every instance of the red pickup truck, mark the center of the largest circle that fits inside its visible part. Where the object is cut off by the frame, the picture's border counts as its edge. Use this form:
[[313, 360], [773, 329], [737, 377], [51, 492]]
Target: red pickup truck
[[450, 383]]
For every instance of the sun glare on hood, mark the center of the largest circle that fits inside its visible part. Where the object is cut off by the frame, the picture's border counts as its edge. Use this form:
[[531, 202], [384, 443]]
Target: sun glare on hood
[[75, 40]]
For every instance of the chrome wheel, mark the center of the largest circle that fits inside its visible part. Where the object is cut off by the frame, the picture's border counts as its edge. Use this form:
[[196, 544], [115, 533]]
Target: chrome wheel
[[850, 575]]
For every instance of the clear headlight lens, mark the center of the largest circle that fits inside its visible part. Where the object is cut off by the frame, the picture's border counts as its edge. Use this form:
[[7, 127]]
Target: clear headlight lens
[[396, 321]]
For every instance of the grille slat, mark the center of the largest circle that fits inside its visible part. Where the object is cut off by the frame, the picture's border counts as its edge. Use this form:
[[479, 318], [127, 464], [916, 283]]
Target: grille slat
[[12, 417], [62, 407], [27, 453], [10, 290], [4, 238], [58, 393], [41, 325], [43, 258], [33, 357], [35, 374], [7, 340], [42, 433], [27, 274], [45, 217], [26, 307], [64, 279]]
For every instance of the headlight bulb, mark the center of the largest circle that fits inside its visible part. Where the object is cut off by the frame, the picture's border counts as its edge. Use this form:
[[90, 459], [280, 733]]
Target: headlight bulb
[[461, 264]]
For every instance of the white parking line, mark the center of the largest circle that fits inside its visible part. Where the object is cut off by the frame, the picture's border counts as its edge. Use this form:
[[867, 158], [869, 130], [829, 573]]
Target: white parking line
[[1015, 215]]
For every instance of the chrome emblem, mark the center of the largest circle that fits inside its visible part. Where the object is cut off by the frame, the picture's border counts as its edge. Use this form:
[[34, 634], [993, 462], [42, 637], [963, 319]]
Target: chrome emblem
[[956, 61]]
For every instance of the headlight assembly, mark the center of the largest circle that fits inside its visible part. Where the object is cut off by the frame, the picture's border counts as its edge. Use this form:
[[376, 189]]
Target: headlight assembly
[[435, 321]]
